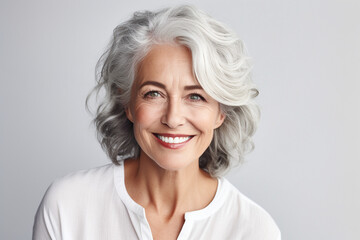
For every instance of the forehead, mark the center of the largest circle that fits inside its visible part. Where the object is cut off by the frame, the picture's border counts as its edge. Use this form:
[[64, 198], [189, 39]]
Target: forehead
[[165, 61], [173, 52]]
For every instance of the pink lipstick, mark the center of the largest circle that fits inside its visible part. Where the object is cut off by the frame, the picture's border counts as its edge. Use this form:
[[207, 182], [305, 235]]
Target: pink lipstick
[[173, 141]]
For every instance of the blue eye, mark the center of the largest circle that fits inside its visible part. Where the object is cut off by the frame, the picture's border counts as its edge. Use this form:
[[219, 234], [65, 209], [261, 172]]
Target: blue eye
[[152, 94], [196, 97]]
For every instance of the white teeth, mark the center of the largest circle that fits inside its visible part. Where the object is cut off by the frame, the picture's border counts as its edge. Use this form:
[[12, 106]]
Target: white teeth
[[173, 140]]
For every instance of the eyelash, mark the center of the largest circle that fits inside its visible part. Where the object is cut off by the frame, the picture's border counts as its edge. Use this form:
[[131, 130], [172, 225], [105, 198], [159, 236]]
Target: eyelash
[[197, 95], [149, 93]]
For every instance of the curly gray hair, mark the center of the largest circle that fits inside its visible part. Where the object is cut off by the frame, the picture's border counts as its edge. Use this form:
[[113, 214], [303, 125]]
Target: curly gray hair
[[219, 65]]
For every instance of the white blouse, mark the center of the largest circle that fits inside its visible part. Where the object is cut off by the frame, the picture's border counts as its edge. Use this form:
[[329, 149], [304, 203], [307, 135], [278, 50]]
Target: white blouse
[[94, 205]]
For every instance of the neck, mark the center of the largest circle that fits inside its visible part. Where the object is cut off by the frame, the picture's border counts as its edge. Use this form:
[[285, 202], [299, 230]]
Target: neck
[[168, 192]]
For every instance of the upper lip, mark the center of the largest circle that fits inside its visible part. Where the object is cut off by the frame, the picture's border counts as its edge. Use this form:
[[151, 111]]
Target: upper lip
[[173, 135]]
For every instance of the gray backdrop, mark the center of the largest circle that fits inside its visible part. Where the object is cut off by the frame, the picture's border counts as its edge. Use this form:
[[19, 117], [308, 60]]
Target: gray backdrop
[[305, 168]]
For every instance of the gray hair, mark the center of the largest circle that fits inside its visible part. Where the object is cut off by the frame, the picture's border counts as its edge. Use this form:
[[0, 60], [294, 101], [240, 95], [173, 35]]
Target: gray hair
[[219, 64]]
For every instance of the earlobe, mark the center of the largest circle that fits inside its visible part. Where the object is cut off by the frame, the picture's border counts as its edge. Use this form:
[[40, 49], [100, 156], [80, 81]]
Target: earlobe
[[220, 120], [128, 114]]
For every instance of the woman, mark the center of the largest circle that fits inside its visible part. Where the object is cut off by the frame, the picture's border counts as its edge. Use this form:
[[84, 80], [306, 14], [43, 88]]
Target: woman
[[178, 112]]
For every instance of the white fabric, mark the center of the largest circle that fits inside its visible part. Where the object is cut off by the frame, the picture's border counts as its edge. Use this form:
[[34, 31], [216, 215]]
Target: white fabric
[[94, 204]]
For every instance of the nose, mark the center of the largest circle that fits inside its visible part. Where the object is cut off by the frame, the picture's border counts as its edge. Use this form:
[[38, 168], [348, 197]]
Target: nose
[[173, 115]]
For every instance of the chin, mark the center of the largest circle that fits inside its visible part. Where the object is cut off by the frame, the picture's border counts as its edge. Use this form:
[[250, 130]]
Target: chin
[[175, 164]]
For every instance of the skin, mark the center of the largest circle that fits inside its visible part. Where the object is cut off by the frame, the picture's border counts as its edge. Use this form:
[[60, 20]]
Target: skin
[[166, 179]]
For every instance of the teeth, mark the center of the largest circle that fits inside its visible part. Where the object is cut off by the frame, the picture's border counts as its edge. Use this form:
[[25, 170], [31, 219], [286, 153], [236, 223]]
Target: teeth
[[173, 140]]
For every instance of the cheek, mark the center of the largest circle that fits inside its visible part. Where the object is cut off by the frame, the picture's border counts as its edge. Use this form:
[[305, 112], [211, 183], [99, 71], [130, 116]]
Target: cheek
[[146, 113], [204, 119]]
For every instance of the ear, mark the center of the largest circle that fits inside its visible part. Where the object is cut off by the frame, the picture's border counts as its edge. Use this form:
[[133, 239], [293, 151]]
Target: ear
[[129, 114], [220, 120]]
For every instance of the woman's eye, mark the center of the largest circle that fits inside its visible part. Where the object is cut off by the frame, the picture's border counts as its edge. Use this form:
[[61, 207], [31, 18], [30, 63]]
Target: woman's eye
[[152, 94], [196, 97]]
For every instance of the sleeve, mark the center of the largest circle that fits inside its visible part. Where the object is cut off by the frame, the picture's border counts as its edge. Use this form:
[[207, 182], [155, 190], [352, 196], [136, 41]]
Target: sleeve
[[47, 223]]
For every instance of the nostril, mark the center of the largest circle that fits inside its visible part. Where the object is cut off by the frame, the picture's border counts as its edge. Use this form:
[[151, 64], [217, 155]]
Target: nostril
[[173, 116]]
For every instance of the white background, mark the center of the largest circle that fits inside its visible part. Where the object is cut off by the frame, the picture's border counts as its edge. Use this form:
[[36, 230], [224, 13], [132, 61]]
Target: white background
[[305, 168]]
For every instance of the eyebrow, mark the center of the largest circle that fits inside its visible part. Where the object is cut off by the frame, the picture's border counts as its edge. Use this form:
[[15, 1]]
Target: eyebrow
[[160, 85]]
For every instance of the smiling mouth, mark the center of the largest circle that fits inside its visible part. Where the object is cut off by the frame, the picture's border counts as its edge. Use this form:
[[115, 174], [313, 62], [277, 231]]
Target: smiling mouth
[[173, 141]]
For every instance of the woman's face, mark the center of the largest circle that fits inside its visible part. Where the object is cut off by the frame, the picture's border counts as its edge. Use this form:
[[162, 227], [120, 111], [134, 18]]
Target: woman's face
[[172, 115]]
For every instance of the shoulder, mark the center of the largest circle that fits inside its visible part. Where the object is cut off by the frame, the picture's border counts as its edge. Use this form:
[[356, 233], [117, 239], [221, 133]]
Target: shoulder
[[89, 175], [80, 184], [69, 198], [249, 215]]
